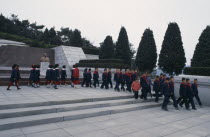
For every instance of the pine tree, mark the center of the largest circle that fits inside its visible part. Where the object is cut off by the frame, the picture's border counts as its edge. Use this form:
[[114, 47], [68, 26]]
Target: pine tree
[[76, 39], [172, 56], [107, 48], [123, 50], [201, 57], [146, 57]]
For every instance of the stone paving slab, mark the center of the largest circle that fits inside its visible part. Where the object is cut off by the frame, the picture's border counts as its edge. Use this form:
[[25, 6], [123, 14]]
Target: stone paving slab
[[142, 123], [43, 94]]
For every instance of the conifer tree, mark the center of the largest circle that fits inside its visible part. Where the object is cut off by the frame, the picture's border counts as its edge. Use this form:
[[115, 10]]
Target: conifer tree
[[107, 48], [123, 50], [201, 57], [172, 56], [146, 57]]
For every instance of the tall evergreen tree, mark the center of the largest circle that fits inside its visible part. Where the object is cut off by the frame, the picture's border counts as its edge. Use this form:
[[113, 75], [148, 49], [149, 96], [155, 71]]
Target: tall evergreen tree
[[146, 57], [172, 56], [107, 48], [123, 50], [201, 57], [76, 39]]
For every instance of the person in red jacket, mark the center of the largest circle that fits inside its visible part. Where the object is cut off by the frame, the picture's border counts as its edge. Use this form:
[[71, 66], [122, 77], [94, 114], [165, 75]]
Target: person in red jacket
[[76, 76], [136, 87]]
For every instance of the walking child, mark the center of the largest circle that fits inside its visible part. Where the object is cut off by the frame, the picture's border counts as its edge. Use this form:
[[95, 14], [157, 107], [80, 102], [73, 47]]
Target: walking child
[[37, 76], [95, 78], [63, 75], [195, 91], [105, 79], [13, 78], [136, 87], [166, 93], [117, 80], [156, 88]]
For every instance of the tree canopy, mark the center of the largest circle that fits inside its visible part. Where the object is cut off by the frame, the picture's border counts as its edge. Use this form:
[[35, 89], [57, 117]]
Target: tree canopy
[[107, 48], [172, 56], [24, 28], [146, 57], [201, 56]]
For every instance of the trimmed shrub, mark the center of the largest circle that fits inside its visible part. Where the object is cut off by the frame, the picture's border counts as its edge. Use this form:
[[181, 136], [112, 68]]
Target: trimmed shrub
[[112, 61], [90, 50], [202, 71], [103, 65]]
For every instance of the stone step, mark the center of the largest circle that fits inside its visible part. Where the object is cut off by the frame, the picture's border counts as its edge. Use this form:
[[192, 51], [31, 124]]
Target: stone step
[[17, 122], [18, 112], [59, 102]]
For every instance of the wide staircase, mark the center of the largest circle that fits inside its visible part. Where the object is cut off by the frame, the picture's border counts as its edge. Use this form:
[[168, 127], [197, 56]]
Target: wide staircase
[[29, 114]]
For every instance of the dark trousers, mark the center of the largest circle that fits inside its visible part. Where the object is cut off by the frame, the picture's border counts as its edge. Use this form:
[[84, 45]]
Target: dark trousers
[[174, 101], [11, 83], [183, 100], [191, 101], [156, 95], [84, 82], [89, 83], [136, 94], [95, 81], [104, 83], [109, 81], [117, 86], [128, 84], [122, 85], [144, 93], [198, 99], [165, 101]]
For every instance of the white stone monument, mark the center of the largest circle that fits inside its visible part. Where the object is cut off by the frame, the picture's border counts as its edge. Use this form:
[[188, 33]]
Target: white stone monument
[[67, 55]]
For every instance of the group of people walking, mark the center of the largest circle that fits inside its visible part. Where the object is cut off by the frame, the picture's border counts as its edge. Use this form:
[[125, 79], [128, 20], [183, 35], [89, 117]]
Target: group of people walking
[[126, 80]]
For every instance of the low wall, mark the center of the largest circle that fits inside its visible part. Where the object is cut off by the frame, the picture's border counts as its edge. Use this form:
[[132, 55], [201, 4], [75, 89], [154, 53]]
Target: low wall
[[203, 87], [24, 56]]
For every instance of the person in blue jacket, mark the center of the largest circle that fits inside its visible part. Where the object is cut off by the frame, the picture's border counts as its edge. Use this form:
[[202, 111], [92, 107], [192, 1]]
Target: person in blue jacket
[[105, 79], [89, 77], [166, 93], [117, 80], [156, 88], [84, 77], [190, 94], [95, 78], [122, 79], [172, 95], [63, 75], [195, 91]]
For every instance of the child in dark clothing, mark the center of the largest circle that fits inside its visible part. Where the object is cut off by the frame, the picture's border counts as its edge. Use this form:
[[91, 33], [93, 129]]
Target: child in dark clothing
[[14, 77], [195, 91], [95, 77], [63, 75]]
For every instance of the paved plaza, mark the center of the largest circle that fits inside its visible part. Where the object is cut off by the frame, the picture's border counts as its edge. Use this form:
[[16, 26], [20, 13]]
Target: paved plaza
[[150, 122]]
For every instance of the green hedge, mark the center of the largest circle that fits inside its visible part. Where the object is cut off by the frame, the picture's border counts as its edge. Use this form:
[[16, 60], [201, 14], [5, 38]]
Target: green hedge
[[112, 61], [91, 50], [30, 42], [103, 65], [202, 71]]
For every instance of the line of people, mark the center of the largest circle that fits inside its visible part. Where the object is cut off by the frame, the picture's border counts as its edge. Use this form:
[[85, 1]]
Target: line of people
[[162, 85]]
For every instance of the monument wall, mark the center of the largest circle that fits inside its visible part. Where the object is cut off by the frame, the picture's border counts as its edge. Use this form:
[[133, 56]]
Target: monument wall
[[24, 56], [66, 55]]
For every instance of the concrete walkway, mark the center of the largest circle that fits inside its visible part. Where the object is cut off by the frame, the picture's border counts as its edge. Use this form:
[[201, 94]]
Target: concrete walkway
[[143, 123], [31, 95], [152, 122]]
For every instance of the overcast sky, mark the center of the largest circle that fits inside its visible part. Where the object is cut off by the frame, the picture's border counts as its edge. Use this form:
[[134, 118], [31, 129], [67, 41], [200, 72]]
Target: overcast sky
[[98, 18]]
